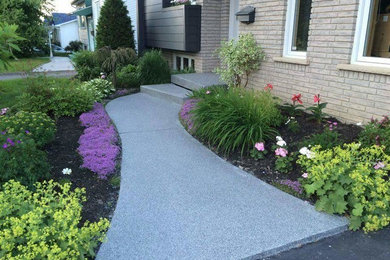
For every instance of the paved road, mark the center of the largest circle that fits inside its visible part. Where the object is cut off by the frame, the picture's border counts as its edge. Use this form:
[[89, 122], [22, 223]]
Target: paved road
[[178, 200]]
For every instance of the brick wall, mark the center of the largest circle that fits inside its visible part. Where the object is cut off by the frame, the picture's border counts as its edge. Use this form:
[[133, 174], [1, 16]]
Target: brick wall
[[215, 28], [352, 96]]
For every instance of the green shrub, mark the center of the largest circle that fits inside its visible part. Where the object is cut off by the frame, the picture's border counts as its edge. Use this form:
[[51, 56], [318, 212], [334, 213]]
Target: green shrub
[[327, 140], [21, 160], [153, 68], [86, 65], [377, 132], [45, 224], [100, 87], [239, 58], [72, 100], [208, 91], [128, 77], [350, 180], [236, 118], [41, 126], [56, 98]]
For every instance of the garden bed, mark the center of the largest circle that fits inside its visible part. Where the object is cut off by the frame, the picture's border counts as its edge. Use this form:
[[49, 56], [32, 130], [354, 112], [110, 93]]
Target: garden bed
[[264, 168], [62, 153]]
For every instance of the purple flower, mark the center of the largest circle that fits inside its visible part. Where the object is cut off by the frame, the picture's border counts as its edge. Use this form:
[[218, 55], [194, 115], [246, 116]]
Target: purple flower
[[27, 132], [379, 165], [11, 143], [3, 133], [185, 112], [294, 185], [18, 141], [98, 144], [5, 146]]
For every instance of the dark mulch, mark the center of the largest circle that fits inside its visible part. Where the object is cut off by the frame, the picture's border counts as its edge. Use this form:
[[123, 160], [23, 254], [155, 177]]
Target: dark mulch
[[264, 169], [62, 153]]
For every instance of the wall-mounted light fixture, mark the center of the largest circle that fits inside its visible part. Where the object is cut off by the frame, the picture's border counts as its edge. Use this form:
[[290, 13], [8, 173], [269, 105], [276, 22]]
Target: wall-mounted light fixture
[[246, 15]]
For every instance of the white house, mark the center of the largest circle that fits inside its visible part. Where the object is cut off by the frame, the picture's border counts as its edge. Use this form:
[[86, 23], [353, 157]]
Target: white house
[[67, 32]]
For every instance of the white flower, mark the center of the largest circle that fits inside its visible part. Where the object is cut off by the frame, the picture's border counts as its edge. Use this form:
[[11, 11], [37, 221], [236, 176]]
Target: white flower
[[359, 123], [288, 121], [67, 171], [281, 143], [279, 138], [305, 151]]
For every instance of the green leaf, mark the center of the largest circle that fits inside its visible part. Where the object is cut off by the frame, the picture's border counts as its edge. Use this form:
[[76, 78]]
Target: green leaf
[[358, 209], [355, 223]]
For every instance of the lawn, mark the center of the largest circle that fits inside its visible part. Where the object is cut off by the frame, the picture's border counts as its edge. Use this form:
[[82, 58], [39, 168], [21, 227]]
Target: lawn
[[11, 89], [21, 65]]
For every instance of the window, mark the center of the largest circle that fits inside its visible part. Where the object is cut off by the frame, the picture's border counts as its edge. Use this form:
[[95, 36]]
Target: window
[[297, 28], [183, 63], [82, 21], [372, 36]]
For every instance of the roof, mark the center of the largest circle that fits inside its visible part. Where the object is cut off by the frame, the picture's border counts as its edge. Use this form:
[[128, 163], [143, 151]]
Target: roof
[[87, 11], [59, 18], [80, 2]]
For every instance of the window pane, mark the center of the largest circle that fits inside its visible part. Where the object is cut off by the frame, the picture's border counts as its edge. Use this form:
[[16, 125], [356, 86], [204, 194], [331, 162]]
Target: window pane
[[301, 25], [178, 63], [378, 35], [185, 63]]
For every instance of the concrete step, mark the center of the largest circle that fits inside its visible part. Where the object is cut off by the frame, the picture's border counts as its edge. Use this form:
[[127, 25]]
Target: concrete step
[[195, 81], [169, 92]]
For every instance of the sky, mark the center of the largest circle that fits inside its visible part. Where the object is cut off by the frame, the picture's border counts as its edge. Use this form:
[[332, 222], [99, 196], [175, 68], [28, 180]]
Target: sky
[[63, 6]]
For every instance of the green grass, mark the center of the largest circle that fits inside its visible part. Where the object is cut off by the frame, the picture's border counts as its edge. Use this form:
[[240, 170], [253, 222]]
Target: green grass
[[22, 65], [11, 89]]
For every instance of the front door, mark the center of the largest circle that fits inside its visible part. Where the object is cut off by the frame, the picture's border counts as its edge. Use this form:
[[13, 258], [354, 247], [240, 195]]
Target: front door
[[233, 22]]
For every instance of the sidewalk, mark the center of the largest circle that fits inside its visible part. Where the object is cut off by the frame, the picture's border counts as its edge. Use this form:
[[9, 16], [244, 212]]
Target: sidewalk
[[56, 64], [178, 200]]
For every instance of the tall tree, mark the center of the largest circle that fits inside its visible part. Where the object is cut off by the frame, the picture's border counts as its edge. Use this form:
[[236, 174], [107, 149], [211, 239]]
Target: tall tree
[[114, 26], [29, 16]]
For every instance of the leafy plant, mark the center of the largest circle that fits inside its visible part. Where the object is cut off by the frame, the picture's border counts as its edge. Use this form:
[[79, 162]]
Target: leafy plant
[[74, 46], [350, 180], [39, 126], [239, 58], [102, 88], [293, 125], [112, 60], [128, 77], [45, 223], [153, 68], [327, 139], [86, 64], [9, 39], [114, 27], [295, 108], [207, 91], [284, 164], [258, 152], [236, 118], [317, 113], [291, 187], [377, 132], [21, 160]]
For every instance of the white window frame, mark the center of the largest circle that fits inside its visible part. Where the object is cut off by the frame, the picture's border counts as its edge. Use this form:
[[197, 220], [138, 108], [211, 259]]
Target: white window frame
[[361, 31], [190, 59], [291, 20]]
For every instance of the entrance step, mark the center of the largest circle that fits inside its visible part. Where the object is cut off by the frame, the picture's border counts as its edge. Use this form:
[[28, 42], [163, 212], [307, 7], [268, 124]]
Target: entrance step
[[195, 81], [168, 92]]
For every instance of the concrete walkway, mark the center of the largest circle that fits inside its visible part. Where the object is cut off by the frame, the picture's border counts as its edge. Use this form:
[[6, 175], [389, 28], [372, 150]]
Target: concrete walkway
[[56, 64], [178, 200]]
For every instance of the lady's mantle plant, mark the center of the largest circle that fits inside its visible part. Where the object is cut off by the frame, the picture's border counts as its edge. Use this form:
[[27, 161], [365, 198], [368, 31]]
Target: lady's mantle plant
[[45, 224], [350, 180], [239, 58], [98, 144]]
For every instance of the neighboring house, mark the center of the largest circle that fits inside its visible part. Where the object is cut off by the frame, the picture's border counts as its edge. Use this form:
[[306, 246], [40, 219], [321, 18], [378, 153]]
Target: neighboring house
[[85, 20], [338, 48], [66, 28], [132, 7]]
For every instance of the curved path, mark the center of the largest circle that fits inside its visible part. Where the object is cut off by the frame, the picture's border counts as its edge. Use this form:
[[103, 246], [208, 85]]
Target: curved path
[[178, 200]]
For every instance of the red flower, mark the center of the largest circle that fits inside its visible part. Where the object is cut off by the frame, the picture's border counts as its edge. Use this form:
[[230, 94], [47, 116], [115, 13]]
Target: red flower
[[297, 98], [269, 87], [317, 98]]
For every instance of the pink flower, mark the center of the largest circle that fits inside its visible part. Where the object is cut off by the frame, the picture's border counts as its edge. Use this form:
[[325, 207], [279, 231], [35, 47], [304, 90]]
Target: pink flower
[[317, 98], [3, 111], [305, 175], [208, 92], [379, 165], [281, 152], [259, 146]]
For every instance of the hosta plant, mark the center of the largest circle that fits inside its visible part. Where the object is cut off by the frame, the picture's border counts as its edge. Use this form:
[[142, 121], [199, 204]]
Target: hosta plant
[[102, 88], [45, 223], [350, 180]]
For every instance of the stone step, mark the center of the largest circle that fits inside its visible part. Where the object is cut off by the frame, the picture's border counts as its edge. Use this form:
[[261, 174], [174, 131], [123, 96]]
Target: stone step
[[168, 92], [195, 81]]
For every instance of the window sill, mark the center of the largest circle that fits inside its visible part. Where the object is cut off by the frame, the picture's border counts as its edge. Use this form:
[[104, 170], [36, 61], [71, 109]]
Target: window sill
[[364, 68], [299, 61]]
